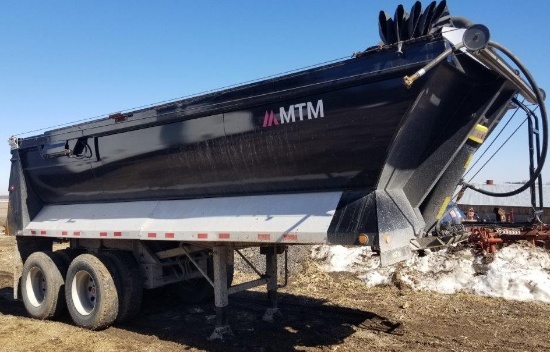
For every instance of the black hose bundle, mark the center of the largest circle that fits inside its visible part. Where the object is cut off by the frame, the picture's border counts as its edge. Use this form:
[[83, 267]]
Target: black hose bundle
[[540, 100]]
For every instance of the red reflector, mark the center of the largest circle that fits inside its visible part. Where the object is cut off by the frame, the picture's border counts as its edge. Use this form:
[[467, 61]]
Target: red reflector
[[42, 232], [76, 233], [118, 117], [118, 234], [169, 235], [33, 232], [223, 236], [103, 234], [63, 233], [151, 235], [290, 237], [202, 236], [264, 236]]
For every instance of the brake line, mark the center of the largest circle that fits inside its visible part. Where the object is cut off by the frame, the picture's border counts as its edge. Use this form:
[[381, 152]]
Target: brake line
[[491, 144], [499, 148], [544, 120], [530, 113]]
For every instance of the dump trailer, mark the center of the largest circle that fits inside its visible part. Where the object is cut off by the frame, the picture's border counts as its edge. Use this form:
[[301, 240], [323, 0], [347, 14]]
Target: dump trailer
[[364, 151]]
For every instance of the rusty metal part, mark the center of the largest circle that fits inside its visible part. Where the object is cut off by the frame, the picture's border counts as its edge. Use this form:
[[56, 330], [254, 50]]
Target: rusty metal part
[[489, 239], [484, 239]]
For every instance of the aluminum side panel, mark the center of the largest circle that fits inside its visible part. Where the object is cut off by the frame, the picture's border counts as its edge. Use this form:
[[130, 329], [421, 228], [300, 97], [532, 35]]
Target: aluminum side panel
[[292, 218]]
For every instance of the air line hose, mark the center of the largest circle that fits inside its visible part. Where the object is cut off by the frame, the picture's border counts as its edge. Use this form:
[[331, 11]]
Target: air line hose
[[544, 118]]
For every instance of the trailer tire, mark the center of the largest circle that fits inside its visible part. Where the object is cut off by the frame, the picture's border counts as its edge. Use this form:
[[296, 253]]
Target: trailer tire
[[131, 284], [91, 292], [68, 255], [42, 285]]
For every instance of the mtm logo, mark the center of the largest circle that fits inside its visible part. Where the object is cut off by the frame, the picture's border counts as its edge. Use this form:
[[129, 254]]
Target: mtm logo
[[300, 111]]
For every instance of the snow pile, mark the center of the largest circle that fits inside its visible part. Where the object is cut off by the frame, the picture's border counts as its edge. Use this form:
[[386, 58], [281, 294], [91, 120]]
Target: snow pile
[[516, 272]]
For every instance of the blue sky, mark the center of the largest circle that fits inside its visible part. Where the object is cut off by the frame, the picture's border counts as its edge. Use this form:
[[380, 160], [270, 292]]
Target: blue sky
[[68, 60]]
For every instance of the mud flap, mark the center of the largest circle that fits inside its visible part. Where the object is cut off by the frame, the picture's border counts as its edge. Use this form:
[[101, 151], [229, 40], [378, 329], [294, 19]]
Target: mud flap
[[397, 225]]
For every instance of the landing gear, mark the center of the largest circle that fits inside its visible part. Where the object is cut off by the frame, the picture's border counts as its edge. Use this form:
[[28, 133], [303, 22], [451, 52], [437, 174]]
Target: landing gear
[[271, 272], [201, 290], [221, 299], [222, 291]]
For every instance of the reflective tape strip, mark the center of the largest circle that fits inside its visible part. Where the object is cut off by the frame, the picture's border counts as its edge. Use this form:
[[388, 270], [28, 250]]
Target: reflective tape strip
[[443, 208], [264, 237], [169, 234], [468, 161], [290, 237]]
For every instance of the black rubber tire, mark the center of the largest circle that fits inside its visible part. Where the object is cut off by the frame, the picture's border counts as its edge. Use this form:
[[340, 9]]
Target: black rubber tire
[[42, 285], [131, 284], [91, 292], [68, 254], [196, 291]]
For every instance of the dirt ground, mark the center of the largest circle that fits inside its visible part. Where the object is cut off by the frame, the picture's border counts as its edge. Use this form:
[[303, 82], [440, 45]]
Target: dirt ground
[[3, 213], [320, 312]]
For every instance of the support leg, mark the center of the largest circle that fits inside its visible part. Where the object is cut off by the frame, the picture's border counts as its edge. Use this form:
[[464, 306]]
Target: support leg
[[221, 299], [271, 272]]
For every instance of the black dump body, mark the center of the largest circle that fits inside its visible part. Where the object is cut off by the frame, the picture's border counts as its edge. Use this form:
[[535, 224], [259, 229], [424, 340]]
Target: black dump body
[[350, 126], [340, 123]]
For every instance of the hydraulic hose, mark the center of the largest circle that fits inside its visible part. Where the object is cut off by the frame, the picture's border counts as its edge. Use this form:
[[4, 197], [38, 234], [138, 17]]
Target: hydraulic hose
[[544, 118]]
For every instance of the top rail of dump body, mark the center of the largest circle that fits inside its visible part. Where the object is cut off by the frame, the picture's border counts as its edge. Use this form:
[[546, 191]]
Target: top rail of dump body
[[420, 51], [234, 97]]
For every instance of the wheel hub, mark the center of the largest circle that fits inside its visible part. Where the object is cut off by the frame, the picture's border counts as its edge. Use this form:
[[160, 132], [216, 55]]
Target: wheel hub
[[36, 286], [84, 292]]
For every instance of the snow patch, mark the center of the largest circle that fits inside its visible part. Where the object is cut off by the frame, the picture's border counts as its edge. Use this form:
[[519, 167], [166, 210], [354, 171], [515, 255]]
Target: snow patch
[[515, 272]]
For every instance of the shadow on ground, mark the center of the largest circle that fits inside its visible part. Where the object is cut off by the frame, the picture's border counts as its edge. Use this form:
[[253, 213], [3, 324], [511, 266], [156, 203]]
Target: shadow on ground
[[305, 322]]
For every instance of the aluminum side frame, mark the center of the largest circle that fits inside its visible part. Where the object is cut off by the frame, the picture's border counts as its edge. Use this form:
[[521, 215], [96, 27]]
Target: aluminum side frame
[[290, 218]]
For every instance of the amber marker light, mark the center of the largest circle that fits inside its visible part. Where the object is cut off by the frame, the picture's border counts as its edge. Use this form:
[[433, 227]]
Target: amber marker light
[[363, 239]]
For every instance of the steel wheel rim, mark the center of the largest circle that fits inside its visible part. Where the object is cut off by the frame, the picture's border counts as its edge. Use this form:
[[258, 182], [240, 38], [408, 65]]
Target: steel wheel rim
[[35, 286], [84, 292]]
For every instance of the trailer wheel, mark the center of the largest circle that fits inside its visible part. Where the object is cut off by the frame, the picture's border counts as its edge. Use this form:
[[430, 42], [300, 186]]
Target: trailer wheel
[[91, 292], [68, 254], [42, 284], [199, 290], [131, 284]]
